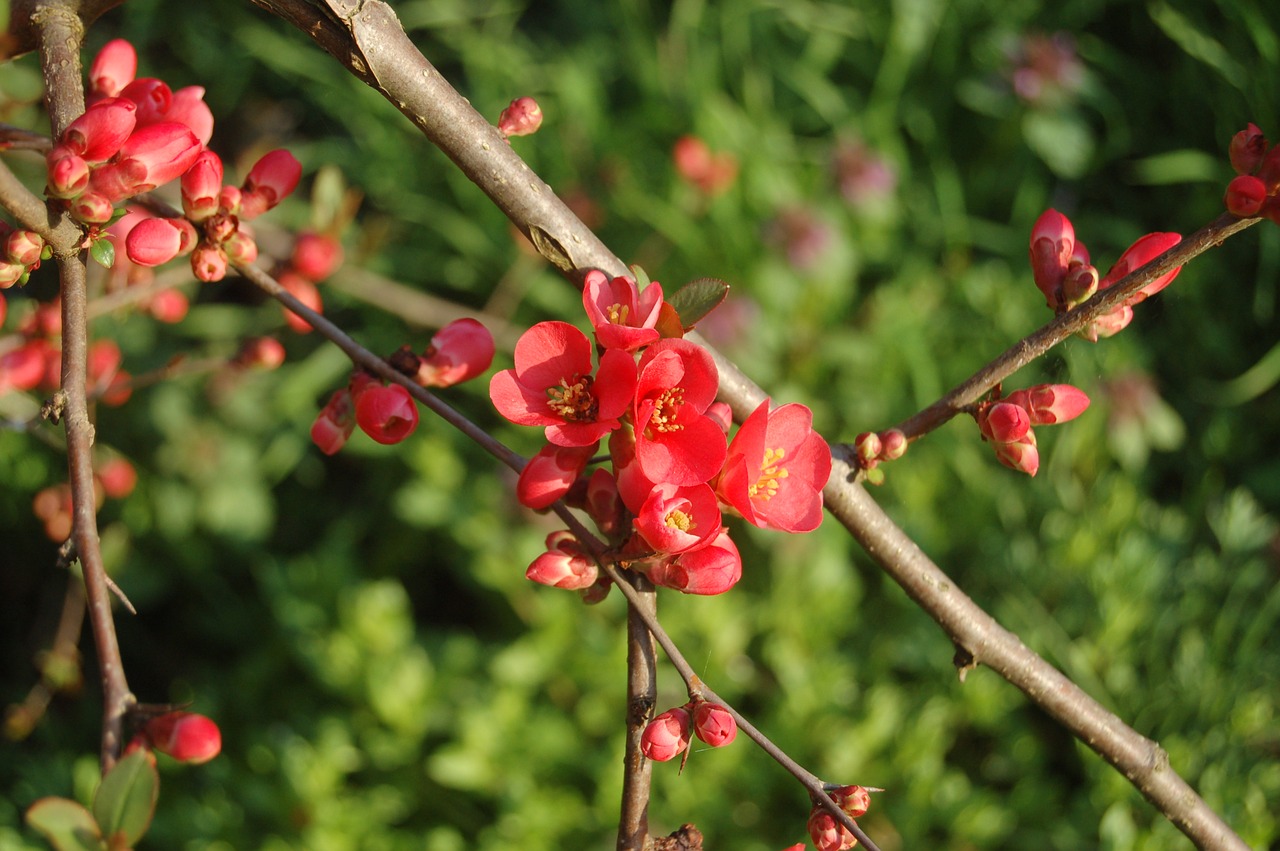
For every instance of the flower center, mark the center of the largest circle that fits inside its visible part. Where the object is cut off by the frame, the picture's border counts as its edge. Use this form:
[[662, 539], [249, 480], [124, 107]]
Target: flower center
[[573, 400], [677, 519], [770, 472], [617, 314], [666, 411]]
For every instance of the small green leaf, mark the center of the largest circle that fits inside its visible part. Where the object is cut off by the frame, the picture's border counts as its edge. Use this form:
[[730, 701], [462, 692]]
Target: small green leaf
[[642, 279], [698, 298], [103, 252], [126, 800], [67, 825]]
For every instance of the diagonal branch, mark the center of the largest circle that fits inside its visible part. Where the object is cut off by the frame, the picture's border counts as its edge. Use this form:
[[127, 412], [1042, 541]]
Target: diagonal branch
[[367, 38]]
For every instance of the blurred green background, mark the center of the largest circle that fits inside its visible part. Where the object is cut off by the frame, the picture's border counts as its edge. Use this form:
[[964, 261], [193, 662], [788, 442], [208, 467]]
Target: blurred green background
[[360, 626]]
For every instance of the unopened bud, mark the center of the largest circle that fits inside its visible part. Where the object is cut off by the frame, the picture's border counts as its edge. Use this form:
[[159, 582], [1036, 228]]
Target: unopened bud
[[666, 736], [1247, 149], [521, 118]]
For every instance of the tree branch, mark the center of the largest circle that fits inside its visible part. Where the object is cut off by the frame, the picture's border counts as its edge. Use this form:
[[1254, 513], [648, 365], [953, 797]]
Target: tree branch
[[376, 49]]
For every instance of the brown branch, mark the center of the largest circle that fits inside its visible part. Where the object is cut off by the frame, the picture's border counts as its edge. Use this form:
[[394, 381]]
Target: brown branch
[[59, 34], [1037, 344], [367, 38], [642, 694]]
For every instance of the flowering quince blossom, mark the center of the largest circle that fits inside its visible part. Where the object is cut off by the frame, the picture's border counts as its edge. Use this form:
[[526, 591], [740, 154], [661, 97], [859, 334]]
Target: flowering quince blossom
[[776, 469], [552, 385], [706, 571], [549, 474], [675, 441], [676, 519], [459, 351], [621, 316]]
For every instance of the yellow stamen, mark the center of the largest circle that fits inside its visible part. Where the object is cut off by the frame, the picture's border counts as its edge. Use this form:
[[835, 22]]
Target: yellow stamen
[[770, 472], [618, 313], [573, 400], [666, 411], [677, 519]]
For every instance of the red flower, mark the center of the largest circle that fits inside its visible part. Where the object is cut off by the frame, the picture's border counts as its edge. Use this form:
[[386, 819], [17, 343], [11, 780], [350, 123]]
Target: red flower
[[776, 469], [623, 317], [552, 386], [387, 413], [675, 441], [678, 519], [185, 736]]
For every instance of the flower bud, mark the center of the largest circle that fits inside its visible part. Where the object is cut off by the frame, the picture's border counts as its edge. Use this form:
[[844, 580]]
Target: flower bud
[[270, 181], [24, 247], [241, 248], [188, 107], [334, 423], [1004, 422], [1245, 195], [1247, 149], [458, 352], [316, 256], [185, 736], [1079, 285], [113, 68], [565, 564], [521, 118], [713, 724], [710, 569], [152, 156], [1143, 251], [893, 444], [92, 209], [169, 306], [549, 474], [68, 173], [1053, 241], [867, 446], [118, 478], [827, 833], [1020, 455], [387, 413], [101, 131], [153, 98], [1049, 404], [202, 186], [209, 263], [854, 800], [305, 292], [261, 352], [154, 241], [666, 736]]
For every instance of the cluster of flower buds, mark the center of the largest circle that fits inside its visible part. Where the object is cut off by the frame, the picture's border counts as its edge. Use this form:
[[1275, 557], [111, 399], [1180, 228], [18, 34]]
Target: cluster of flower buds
[[827, 833], [668, 735], [872, 447], [1062, 271], [113, 479], [185, 736], [674, 471], [1006, 422], [522, 117], [20, 252], [137, 135], [710, 173], [387, 413], [1255, 191], [35, 363]]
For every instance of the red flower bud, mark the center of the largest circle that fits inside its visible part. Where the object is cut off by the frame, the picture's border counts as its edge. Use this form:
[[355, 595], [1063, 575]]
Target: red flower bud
[[102, 130], [92, 208], [24, 247], [854, 800], [113, 68], [1049, 404], [202, 186], [521, 118], [270, 181], [387, 413], [1020, 455], [1245, 195], [458, 352], [335, 422], [1053, 242], [185, 736], [169, 306], [565, 564], [893, 444], [305, 292], [827, 833], [153, 97], [867, 446], [1004, 422], [118, 478], [209, 264], [152, 156], [713, 724], [666, 736], [155, 241], [1247, 149], [68, 173], [549, 474], [261, 352], [316, 256]]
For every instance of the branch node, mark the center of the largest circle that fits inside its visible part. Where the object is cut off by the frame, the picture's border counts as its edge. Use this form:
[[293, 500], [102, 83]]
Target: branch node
[[964, 660]]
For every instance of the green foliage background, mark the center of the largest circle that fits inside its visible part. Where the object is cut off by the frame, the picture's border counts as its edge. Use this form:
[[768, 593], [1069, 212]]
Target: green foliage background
[[360, 627]]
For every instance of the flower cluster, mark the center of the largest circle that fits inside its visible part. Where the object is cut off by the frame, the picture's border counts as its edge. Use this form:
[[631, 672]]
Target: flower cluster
[[35, 363], [1006, 422], [136, 135], [1062, 271], [827, 833], [651, 394], [386, 412], [872, 447], [1255, 191], [668, 735]]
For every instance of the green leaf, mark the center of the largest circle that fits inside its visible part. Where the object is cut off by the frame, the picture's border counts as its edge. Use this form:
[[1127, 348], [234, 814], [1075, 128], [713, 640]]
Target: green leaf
[[126, 800], [698, 298], [642, 279], [103, 252], [67, 825]]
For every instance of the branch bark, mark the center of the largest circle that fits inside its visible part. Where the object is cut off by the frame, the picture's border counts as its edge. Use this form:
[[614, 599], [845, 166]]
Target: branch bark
[[365, 36]]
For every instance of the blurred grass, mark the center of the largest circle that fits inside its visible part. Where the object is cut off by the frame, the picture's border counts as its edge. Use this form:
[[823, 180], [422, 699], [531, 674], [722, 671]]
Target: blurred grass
[[360, 626]]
